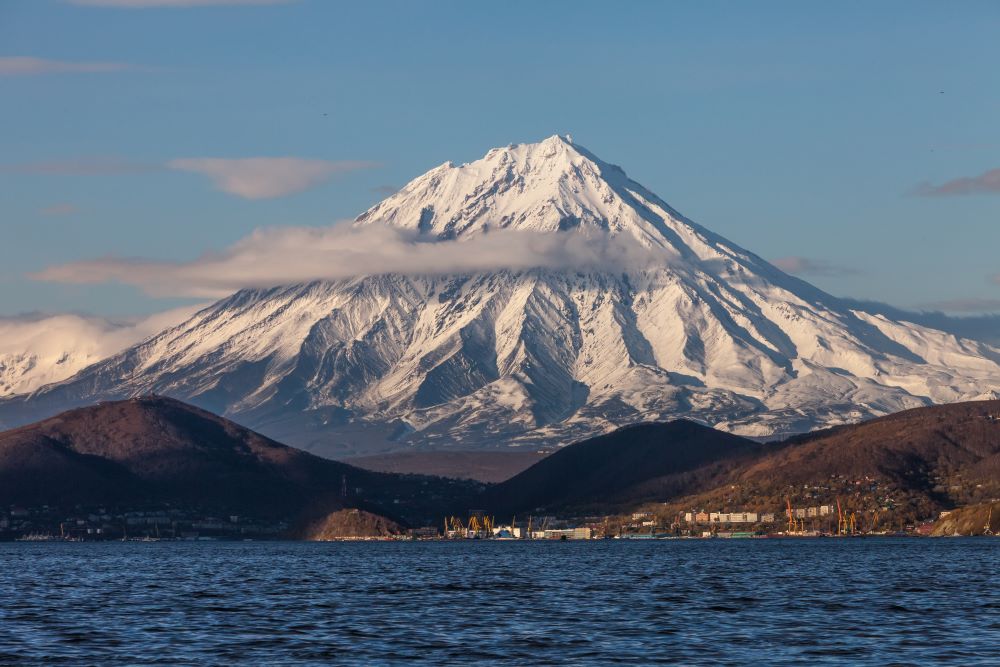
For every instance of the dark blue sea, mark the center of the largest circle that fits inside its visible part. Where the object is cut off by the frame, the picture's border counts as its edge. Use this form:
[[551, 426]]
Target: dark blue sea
[[712, 602]]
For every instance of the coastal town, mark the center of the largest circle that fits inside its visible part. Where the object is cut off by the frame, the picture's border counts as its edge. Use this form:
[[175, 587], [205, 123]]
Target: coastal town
[[46, 523]]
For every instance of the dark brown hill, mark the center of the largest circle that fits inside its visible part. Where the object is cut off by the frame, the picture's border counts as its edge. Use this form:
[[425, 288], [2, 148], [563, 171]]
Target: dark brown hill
[[628, 466], [912, 463], [920, 448], [916, 461], [154, 450]]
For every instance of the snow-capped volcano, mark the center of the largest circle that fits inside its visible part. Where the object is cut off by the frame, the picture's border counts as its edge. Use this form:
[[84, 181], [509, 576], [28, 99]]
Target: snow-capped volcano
[[543, 356]]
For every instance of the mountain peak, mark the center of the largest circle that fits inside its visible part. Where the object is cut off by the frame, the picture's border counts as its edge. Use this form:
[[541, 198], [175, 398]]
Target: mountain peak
[[559, 139], [549, 186], [550, 147], [556, 142]]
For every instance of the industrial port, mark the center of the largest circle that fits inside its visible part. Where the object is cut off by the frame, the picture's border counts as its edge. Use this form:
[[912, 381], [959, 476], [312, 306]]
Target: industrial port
[[824, 520], [480, 526]]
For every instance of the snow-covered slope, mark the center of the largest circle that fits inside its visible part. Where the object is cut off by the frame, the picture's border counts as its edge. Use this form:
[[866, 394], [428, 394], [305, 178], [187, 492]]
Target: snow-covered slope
[[40, 349], [712, 332]]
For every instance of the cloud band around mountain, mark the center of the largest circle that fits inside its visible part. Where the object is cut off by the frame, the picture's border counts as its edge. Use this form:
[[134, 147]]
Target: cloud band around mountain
[[287, 255]]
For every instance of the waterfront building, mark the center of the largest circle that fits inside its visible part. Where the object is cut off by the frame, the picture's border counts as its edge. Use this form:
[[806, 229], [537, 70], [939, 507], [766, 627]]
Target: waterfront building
[[567, 533]]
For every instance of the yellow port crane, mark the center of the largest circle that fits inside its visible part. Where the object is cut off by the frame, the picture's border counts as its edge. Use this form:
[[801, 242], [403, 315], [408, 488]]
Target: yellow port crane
[[791, 515], [453, 525]]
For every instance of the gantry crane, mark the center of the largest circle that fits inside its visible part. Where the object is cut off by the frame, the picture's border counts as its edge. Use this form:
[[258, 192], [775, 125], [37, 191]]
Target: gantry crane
[[453, 525]]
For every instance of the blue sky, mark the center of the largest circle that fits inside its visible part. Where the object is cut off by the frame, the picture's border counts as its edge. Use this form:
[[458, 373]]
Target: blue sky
[[832, 137]]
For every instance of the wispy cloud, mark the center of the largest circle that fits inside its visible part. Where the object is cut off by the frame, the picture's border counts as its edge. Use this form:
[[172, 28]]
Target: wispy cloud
[[266, 177], [59, 209], [812, 267], [88, 166], [31, 66], [250, 178], [149, 4], [964, 305], [385, 190], [286, 255], [987, 182]]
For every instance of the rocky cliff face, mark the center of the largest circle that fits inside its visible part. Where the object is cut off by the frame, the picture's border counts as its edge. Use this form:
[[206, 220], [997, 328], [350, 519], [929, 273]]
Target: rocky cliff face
[[981, 519]]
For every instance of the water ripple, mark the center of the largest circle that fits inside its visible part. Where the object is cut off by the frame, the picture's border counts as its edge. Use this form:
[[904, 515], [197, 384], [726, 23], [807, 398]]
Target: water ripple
[[866, 602]]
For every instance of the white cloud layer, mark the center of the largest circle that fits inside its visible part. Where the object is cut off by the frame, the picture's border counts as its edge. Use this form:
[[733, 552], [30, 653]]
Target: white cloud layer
[[266, 177], [30, 66], [287, 255]]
